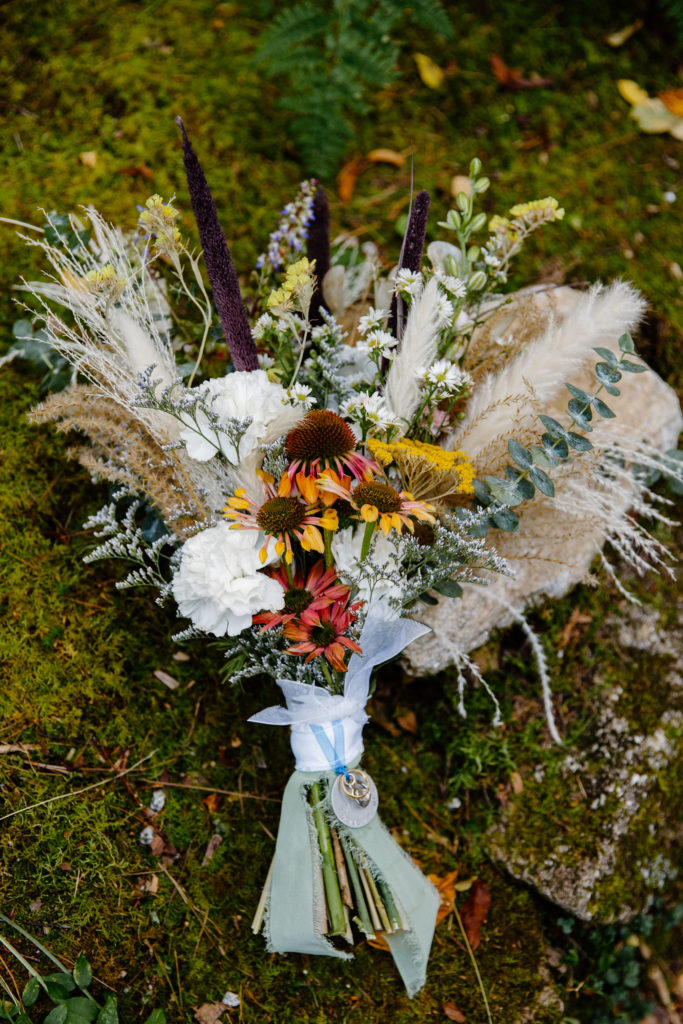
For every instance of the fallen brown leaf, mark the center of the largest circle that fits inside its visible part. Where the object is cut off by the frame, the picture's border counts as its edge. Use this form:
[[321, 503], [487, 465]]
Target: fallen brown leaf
[[461, 183], [445, 886], [474, 912], [453, 1013], [512, 78], [88, 158], [577, 618], [346, 179], [212, 801], [517, 783], [623, 34], [386, 156], [143, 171], [209, 1013], [408, 722]]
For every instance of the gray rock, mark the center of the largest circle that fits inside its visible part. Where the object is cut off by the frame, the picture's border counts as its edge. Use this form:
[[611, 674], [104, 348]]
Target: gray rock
[[622, 843]]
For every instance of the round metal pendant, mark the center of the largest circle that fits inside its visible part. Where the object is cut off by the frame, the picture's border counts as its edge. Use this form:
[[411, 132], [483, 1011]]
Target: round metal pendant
[[354, 798]]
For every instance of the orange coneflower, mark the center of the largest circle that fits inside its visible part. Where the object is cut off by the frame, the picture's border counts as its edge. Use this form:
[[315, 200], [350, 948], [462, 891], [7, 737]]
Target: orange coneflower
[[311, 593], [323, 632], [378, 502], [324, 441], [282, 517]]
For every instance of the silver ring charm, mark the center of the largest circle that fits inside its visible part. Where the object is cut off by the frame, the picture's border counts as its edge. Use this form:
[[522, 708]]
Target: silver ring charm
[[354, 798]]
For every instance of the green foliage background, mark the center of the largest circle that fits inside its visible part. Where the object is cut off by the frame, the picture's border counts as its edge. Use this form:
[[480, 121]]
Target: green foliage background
[[78, 658]]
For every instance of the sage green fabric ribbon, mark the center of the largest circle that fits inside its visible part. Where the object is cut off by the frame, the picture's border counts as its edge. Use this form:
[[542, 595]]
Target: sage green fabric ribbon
[[291, 916]]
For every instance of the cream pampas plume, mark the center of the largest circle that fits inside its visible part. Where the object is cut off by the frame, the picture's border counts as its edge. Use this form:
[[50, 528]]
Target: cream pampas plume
[[500, 406], [417, 348]]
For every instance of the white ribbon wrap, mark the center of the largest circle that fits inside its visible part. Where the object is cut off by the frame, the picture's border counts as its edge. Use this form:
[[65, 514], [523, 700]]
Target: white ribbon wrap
[[382, 638]]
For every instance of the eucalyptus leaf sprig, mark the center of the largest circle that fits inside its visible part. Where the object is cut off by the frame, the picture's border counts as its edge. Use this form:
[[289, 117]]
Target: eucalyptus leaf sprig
[[528, 475]]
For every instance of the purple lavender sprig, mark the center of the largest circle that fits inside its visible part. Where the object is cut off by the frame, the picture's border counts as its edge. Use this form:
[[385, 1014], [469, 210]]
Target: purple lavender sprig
[[219, 265], [292, 230]]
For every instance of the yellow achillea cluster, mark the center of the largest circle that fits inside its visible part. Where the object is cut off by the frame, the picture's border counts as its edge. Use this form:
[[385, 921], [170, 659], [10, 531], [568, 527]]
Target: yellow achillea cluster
[[427, 470], [298, 280], [158, 218], [548, 206], [105, 282]]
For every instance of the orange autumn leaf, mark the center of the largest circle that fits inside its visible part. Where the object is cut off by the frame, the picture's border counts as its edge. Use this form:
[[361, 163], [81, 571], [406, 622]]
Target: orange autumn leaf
[[212, 802], [446, 888], [386, 156], [513, 78], [451, 1011], [475, 911], [346, 179], [672, 100]]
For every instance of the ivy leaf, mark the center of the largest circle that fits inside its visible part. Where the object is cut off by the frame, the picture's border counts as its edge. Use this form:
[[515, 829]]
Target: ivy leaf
[[156, 1017], [520, 454], [543, 482], [57, 1016], [31, 992], [82, 972], [602, 409], [626, 343], [581, 444], [630, 367], [108, 1014], [607, 374], [607, 355]]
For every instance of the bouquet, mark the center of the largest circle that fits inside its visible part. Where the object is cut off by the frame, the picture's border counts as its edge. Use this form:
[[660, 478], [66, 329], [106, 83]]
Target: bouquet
[[312, 504]]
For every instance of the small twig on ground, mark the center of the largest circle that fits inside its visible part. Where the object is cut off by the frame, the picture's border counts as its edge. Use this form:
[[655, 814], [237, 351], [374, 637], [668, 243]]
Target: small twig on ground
[[77, 792]]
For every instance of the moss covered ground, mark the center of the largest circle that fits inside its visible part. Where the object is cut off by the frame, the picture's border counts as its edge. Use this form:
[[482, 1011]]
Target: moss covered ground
[[78, 658]]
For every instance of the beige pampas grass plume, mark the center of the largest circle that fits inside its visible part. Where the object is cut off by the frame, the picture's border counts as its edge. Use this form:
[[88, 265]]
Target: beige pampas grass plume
[[418, 347], [505, 403]]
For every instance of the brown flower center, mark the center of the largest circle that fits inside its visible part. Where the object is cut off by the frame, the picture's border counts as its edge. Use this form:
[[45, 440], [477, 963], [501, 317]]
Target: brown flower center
[[324, 635], [382, 496], [322, 435], [297, 599], [278, 515]]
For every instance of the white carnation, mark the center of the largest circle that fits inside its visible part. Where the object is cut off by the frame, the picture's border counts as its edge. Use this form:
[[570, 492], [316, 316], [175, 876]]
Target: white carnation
[[219, 586], [238, 396]]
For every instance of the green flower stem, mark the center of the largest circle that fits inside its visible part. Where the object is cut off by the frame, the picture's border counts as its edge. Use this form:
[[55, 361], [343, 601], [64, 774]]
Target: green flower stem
[[367, 537], [384, 917], [363, 919], [288, 572], [327, 538], [388, 900], [335, 907]]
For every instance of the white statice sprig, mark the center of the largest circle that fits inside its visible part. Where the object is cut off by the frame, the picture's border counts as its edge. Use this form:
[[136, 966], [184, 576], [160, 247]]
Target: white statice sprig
[[123, 537]]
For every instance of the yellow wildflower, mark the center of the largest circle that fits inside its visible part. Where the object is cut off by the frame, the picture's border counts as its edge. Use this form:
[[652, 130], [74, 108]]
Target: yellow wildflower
[[105, 282], [296, 289], [548, 207], [427, 470]]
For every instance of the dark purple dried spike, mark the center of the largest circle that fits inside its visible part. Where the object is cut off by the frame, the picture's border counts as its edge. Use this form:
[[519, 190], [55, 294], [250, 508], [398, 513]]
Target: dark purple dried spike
[[318, 249], [219, 265], [413, 244]]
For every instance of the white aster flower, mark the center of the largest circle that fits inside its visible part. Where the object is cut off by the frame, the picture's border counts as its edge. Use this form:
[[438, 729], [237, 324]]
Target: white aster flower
[[300, 394], [218, 584], [373, 320], [370, 412], [378, 343], [491, 260], [455, 286], [264, 323], [444, 311], [383, 556], [409, 283], [238, 396], [443, 379]]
